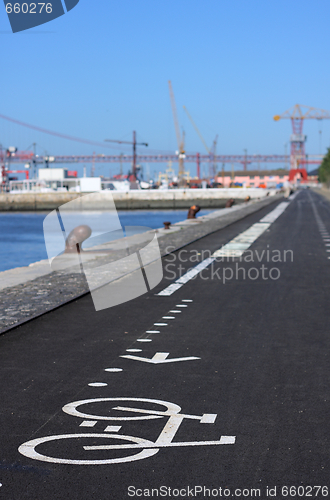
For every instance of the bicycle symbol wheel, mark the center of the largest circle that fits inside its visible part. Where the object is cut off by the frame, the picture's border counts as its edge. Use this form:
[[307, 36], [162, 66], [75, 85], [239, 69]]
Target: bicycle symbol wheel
[[28, 449], [171, 408]]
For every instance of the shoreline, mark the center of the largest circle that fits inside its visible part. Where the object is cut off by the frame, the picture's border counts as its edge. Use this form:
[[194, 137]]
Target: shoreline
[[135, 199]]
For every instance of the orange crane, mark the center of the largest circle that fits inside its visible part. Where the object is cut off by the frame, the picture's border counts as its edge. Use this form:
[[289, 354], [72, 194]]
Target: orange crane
[[180, 138], [297, 114]]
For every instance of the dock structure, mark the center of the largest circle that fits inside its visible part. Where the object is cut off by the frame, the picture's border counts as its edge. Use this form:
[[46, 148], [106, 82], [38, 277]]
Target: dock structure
[[135, 199], [218, 372]]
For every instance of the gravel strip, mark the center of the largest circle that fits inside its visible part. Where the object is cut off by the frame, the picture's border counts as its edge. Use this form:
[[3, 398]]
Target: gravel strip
[[26, 301]]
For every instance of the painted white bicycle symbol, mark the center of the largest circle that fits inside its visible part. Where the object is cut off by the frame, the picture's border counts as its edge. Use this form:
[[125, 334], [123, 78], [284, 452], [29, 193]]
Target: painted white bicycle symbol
[[143, 448]]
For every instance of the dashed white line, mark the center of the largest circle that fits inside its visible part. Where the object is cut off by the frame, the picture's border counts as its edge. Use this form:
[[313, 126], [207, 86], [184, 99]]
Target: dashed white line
[[160, 324], [88, 423], [144, 340], [153, 331], [113, 369], [97, 384], [134, 350], [235, 248], [112, 428], [168, 317]]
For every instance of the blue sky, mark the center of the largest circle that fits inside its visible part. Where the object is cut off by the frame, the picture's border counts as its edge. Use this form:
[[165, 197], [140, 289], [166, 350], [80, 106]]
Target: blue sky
[[102, 69]]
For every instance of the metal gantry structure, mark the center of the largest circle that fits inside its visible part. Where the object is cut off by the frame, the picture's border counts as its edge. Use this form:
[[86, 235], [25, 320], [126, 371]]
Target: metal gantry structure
[[297, 114], [297, 156]]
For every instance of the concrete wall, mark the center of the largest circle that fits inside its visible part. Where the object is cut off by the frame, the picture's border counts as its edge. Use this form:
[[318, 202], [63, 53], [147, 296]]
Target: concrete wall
[[153, 199]]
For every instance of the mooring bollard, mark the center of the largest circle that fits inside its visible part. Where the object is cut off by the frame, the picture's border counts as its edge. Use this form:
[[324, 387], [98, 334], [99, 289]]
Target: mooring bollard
[[167, 225], [230, 203], [193, 211], [76, 237]]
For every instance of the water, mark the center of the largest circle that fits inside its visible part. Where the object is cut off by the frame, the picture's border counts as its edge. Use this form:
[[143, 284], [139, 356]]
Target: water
[[22, 239]]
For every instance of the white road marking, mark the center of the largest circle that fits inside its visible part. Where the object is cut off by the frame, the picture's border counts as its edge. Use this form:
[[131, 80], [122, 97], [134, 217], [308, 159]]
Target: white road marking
[[158, 358], [113, 369], [235, 248], [71, 409], [174, 311], [149, 448], [88, 423], [227, 439], [186, 277], [187, 300], [170, 289], [223, 440], [144, 340], [208, 418], [134, 350], [160, 324], [97, 384], [153, 331], [168, 317], [28, 449], [181, 305]]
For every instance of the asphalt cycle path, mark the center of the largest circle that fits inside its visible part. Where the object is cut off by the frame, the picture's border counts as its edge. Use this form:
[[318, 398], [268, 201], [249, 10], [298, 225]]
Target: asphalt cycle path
[[220, 388]]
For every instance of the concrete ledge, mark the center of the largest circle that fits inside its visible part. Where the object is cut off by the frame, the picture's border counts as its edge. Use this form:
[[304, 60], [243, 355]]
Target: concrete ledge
[[31, 291], [135, 199]]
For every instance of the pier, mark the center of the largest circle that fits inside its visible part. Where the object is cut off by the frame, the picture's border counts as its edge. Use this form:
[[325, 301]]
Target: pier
[[208, 370], [135, 199]]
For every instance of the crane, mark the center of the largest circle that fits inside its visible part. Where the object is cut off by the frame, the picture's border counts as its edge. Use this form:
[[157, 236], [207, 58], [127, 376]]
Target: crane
[[133, 176], [211, 151], [297, 114], [180, 139], [197, 130], [214, 153]]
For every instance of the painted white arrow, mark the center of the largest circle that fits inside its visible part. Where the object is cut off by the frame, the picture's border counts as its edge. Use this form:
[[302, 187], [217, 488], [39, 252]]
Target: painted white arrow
[[159, 357]]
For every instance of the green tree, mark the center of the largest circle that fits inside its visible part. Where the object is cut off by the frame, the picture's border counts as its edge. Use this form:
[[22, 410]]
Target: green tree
[[324, 170]]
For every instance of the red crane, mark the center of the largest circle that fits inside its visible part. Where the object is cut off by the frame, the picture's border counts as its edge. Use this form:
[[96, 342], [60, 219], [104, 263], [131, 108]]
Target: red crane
[[297, 114]]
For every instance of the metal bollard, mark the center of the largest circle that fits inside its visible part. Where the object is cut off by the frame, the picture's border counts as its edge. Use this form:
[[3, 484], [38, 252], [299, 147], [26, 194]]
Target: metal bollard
[[76, 237], [230, 203], [193, 211]]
